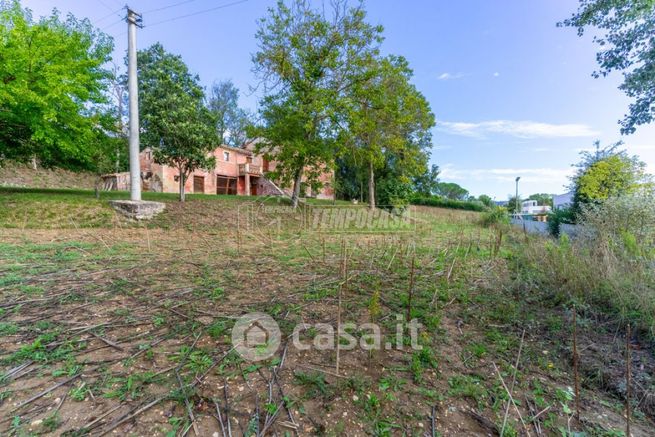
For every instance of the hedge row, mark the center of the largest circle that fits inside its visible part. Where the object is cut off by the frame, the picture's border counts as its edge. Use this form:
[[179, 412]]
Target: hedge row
[[448, 203]]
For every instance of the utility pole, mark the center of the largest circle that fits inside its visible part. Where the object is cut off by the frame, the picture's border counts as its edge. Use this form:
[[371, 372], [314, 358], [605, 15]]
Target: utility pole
[[133, 20], [518, 211]]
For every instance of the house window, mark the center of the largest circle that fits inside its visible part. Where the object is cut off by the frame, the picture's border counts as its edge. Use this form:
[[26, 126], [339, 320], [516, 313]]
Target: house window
[[226, 156], [249, 159]]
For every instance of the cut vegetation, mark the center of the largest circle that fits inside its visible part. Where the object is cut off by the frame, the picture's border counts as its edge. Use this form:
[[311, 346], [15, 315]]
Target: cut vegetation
[[109, 325]]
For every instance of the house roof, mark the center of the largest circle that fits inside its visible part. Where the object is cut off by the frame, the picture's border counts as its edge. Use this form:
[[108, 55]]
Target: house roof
[[235, 149]]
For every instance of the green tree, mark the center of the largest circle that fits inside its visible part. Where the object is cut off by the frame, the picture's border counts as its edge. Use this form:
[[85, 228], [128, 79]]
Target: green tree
[[627, 46], [52, 80], [231, 121], [427, 184], [543, 199], [486, 200], [305, 59], [176, 123], [451, 190], [513, 207], [607, 172], [389, 122]]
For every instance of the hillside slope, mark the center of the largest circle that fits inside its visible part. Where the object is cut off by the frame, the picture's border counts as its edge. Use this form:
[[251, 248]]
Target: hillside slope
[[22, 175]]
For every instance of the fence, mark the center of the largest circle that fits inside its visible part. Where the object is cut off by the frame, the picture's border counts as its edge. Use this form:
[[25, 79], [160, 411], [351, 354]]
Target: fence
[[535, 227]]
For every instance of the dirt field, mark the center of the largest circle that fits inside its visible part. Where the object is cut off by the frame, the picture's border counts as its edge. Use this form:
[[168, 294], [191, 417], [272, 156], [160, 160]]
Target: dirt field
[[125, 329]]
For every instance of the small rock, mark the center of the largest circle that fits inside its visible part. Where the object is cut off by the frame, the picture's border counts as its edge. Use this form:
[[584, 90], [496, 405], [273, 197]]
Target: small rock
[[37, 422], [355, 398]]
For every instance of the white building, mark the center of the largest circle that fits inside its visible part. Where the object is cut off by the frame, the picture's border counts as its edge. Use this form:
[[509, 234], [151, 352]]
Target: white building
[[531, 207], [563, 200]]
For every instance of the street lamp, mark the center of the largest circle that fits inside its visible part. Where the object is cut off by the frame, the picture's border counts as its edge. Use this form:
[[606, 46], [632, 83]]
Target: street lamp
[[517, 195]]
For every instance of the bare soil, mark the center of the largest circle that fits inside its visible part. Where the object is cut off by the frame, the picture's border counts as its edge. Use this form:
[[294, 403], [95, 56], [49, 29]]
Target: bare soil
[[126, 331]]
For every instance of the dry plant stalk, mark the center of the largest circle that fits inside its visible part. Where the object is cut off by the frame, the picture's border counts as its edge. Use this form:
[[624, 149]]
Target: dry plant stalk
[[575, 365], [628, 376], [410, 292], [344, 279]]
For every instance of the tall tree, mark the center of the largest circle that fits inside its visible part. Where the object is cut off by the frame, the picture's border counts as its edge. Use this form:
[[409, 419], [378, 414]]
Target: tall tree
[[175, 121], [543, 199], [486, 200], [451, 190], [389, 121], [628, 46], [607, 172], [305, 60], [427, 184], [52, 80], [231, 121]]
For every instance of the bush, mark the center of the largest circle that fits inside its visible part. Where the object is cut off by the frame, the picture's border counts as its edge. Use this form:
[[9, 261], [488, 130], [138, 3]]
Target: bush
[[557, 217], [393, 194], [448, 203], [607, 267], [496, 216]]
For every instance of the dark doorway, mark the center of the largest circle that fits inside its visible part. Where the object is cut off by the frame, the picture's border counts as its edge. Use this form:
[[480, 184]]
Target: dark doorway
[[254, 182], [226, 185], [199, 184]]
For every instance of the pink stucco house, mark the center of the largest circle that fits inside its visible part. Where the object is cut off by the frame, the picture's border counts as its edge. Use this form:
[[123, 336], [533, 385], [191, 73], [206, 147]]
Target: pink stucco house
[[238, 171]]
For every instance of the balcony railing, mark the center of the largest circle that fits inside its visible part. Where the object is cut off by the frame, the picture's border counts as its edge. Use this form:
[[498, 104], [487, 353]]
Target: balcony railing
[[250, 169]]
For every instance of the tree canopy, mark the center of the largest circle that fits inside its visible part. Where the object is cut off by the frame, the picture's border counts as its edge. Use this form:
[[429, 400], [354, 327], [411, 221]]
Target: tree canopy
[[451, 190], [627, 46], [175, 122], [231, 120], [607, 172], [53, 87], [305, 61], [389, 122]]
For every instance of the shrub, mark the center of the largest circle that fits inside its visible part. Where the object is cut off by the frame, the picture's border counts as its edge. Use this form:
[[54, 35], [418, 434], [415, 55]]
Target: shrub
[[496, 216], [557, 217], [393, 194], [607, 267], [442, 202]]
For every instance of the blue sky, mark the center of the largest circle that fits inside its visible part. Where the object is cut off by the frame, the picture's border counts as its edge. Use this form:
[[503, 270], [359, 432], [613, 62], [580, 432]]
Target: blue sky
[[512, 93]]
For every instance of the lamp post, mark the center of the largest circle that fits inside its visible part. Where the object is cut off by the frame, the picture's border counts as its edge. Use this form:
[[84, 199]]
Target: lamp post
[[518, 211]]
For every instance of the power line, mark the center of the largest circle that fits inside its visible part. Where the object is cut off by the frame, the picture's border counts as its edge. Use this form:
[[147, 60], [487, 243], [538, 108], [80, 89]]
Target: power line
[[109, 8], [197, 13], [163, 8], [109, 15], [113, 24]]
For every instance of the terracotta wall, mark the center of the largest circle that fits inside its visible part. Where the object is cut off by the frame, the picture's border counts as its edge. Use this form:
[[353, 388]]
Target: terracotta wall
[[162, 178]]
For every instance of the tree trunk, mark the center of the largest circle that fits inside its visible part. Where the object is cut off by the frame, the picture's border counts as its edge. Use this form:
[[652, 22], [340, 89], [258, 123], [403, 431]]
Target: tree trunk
[[371, 186], [97, 186], [182, 181], [297, 182]]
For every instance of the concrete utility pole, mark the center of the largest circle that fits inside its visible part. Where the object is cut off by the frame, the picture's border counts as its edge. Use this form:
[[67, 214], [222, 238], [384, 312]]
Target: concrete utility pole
[[135, 208], [133, 20]]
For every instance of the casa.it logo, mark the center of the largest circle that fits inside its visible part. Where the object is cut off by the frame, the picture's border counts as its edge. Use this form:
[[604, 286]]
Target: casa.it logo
[[256, 336]]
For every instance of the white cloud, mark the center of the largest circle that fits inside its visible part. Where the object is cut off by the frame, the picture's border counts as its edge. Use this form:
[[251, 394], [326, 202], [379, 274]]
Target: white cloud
[[539, 175], [450, 76], [496, 74], [520, 129]]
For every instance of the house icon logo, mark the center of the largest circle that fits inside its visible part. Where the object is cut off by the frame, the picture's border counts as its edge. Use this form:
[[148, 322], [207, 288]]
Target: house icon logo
[[256, 336]]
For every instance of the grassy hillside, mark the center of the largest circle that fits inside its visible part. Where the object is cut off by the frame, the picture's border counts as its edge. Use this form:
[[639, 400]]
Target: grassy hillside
[[130, 324], [23, 175]]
